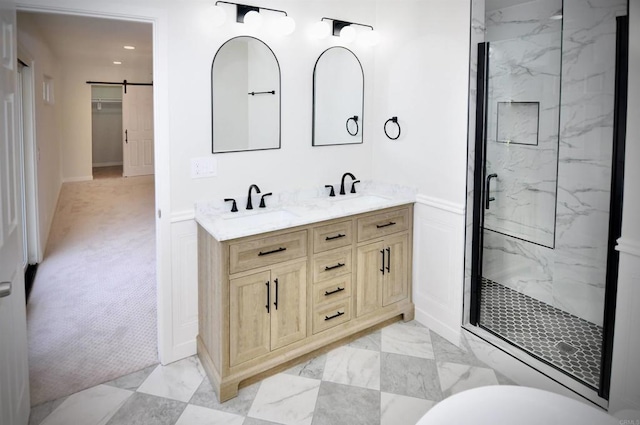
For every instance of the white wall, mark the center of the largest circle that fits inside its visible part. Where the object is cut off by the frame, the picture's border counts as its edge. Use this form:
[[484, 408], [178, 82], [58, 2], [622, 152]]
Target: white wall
[[625, 374], [193, 45], [35, 52], [421, 76]]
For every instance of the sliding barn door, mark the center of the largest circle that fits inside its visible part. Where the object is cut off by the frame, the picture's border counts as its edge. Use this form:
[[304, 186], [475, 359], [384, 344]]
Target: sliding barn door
[[137, 124], [14, 372]]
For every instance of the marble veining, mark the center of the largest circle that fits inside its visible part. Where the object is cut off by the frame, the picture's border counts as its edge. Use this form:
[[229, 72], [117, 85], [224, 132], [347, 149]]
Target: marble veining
[[286, 399], [455, 377], [418, 377], [297, 208], [409, 387], [196, 415], [353, 366], [341, 404], [94, 406], [408, 340], [399, 409], [178, 381]]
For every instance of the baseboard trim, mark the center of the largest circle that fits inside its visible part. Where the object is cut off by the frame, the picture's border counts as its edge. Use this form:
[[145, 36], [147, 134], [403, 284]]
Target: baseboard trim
[[77, 179], [451, 335]]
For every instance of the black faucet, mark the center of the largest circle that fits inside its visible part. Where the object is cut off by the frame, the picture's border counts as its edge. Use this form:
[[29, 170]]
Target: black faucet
[[249, 204], [342, 192]]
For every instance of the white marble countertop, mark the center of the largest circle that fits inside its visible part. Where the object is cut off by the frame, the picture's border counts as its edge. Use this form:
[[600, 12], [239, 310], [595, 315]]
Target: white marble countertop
[[296, 208]]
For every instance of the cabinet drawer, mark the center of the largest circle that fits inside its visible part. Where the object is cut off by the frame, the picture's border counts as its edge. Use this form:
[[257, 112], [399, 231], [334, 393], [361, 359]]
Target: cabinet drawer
[[266, 251], [332, 290], [331, 315], [332, 264], [332, 236], [383, 224]]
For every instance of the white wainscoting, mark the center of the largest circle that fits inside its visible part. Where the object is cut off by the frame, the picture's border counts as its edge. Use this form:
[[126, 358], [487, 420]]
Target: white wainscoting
[[438, 265], [184, 286], [625, 373]]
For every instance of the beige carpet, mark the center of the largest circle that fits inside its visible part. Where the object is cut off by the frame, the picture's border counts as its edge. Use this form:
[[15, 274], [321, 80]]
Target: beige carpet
[[92, 311]]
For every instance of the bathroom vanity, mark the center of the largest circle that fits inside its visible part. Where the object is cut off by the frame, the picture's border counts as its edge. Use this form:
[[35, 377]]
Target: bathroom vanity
[[279, 284]]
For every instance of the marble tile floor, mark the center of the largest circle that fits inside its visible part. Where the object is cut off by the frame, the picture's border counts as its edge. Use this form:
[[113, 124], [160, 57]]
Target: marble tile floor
[[391, 376]]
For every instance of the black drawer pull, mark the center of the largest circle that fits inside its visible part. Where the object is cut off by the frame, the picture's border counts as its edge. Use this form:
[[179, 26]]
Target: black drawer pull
[[338, 314], [272, 252], [338, 236], [380, 226], [268, 296], [337, 266], [335, 291]]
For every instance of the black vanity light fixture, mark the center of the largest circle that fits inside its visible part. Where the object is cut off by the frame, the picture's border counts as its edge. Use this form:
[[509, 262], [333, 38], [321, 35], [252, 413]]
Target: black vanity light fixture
[[345, 30], [250, 15]]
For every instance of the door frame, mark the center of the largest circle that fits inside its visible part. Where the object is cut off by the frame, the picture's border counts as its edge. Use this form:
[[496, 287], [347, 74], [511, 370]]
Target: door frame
[[27, 136], [160, 27]]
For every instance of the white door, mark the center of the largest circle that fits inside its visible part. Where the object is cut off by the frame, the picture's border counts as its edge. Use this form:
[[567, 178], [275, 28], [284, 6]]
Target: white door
[[137, 124], [14, 372]]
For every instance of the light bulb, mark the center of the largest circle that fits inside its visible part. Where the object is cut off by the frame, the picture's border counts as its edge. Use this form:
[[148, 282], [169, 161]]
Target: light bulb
[[285, 25], [218, 16], [347, 34], [320, 30], [370, 38], [253, 19]]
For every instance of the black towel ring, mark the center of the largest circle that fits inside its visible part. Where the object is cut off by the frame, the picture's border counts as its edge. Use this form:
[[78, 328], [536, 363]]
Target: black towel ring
[[355, 120], [395, 121]]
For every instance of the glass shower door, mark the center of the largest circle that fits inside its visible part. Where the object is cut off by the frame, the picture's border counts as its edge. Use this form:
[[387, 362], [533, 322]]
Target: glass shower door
[[519, 279], [546, 180]]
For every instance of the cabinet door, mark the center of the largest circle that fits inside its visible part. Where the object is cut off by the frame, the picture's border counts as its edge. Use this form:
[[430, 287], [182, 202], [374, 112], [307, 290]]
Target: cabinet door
[[288, 304], [369, 278], [249, 321], [396, 278]]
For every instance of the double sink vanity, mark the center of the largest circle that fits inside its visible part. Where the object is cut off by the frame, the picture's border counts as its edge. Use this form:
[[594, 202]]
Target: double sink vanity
[[279, 283]]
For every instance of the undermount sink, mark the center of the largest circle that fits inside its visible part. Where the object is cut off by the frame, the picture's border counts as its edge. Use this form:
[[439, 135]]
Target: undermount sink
[[258, 218]]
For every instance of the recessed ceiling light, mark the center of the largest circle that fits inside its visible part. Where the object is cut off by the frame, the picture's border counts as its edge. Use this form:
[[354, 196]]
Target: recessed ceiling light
[[117, 63], [130, 47]]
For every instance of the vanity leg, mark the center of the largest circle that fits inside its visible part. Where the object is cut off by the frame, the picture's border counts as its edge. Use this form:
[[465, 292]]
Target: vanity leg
[[227, 391], [409, 314]]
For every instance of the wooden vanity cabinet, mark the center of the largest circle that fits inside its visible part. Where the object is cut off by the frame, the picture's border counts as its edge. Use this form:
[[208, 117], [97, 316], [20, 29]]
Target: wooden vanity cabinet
[[266, 300], [267, 311], [383, 273]]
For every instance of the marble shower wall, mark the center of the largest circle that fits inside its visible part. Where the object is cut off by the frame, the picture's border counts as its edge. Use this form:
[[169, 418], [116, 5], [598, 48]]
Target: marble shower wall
[[585, 156], [522, 144], [571, 276]]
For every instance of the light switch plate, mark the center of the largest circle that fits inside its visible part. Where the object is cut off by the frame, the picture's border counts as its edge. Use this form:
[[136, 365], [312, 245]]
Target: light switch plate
[[204, 167]]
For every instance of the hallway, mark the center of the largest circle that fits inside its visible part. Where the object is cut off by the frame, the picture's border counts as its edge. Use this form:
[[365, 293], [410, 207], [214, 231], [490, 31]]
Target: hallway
[[92, 311]]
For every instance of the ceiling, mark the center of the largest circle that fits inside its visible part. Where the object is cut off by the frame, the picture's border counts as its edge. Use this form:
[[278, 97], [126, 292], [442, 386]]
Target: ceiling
[[94, 41]]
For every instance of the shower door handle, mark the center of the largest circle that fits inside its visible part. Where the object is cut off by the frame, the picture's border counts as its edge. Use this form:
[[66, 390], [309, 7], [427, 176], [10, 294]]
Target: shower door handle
[[487, 193]]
